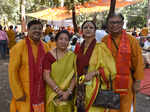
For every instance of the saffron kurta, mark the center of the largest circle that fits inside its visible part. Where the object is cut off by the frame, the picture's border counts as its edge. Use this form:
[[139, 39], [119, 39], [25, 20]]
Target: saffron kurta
[[61, 72], [136, 65], [144, 31], [19, 75], [48, 30], [51, 44], [11, 37], [101, 58]]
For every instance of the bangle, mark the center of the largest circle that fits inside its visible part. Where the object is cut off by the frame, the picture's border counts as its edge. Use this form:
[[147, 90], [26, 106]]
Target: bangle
[[69, 90], [55, 88]]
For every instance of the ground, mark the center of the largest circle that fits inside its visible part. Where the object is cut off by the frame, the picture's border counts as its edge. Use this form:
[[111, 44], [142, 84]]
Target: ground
[[142, 103]]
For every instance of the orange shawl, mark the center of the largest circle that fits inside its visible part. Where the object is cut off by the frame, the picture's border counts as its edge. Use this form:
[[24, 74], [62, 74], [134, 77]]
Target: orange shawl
[[122, 63]]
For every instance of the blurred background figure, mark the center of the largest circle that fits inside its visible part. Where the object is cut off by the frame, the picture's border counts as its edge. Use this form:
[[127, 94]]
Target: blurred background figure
[[48, 37], [146, 53], [11, 37], [73, 44], [101, 33], [144, 31], [51, 43], [3, 43]]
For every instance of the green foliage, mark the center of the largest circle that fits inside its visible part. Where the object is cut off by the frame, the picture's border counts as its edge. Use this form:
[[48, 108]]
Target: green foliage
[[136, 15], [136, 21], [8, 10]]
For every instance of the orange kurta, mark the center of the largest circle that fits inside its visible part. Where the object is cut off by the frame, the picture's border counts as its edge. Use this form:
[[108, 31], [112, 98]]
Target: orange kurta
[[136, 64], [48, 30], [11, 37], [144, 31], [51, 44], [19, 75]]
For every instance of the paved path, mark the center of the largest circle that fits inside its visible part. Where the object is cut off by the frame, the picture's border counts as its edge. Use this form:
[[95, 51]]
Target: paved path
[[5, 93], [143, 103]]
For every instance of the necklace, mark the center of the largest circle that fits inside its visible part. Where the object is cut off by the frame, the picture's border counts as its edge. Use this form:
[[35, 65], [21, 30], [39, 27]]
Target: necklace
[[56, 55]]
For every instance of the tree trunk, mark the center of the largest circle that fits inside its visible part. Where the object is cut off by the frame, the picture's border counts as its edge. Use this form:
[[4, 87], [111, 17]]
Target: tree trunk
[[74, 17], [112, 7], [62, 3], [94, 18], [22, 15]]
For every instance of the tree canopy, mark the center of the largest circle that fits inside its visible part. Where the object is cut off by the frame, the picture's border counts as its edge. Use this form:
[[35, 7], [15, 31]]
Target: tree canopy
[[136, 15]]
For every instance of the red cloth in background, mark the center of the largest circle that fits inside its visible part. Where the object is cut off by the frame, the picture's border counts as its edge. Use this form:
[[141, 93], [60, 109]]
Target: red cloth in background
[[145, 84]]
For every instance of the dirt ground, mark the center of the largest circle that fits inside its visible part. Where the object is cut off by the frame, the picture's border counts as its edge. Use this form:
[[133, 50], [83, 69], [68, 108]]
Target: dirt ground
[[142, 103]]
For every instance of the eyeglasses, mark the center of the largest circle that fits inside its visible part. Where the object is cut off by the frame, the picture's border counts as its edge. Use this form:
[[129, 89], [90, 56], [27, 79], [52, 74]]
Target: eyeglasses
[[115, 22]]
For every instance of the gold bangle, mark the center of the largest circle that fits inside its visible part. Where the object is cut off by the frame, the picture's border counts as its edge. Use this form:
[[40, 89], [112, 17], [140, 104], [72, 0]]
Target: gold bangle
[[69, 90], [55, 89]]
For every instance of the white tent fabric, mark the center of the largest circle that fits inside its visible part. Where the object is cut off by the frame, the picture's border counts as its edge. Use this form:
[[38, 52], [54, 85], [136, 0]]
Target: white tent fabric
[[64, 23]]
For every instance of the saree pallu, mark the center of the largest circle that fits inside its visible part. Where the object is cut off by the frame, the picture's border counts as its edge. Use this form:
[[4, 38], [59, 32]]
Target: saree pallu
[[101, 58], [62, 72]]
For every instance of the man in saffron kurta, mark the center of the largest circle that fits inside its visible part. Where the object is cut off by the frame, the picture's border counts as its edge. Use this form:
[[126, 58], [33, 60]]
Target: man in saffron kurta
[[25, 75], [11, 36], [48, 29], [129, 62], [52, 43], [144, 31]]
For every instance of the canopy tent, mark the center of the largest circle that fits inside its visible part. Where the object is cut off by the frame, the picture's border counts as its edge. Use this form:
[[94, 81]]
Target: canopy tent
[[61, 23], [61, 13]]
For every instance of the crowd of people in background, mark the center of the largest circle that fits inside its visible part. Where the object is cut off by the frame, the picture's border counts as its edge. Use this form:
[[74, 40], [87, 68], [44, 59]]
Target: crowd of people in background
[[64, 60], [12, 36]]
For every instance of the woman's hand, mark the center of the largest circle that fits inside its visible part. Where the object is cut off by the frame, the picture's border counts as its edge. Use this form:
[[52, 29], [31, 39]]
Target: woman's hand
[[89, 76], [59, 92], [65, 96]]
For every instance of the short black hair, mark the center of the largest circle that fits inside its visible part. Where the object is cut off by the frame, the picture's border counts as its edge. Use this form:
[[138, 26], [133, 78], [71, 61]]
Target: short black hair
[[47, 25], [11, 26], [104, 26], [87, 22], [115, 15], [60, 32], [148, 37], [33, 22], [1, 27]]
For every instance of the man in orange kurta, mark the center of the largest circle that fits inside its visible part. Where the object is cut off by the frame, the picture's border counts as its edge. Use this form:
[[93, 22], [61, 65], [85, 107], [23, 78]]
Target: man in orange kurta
[[144, 31], [11, 36], [52, 43], [48, 30], [21, 55], [114, 42]]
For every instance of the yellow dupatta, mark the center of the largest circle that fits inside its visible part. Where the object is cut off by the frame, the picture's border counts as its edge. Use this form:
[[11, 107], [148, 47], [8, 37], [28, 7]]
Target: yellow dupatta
[[101, 57]]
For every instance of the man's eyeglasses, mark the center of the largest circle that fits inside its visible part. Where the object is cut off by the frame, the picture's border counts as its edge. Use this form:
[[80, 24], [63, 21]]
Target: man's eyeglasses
[[115, 22]]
